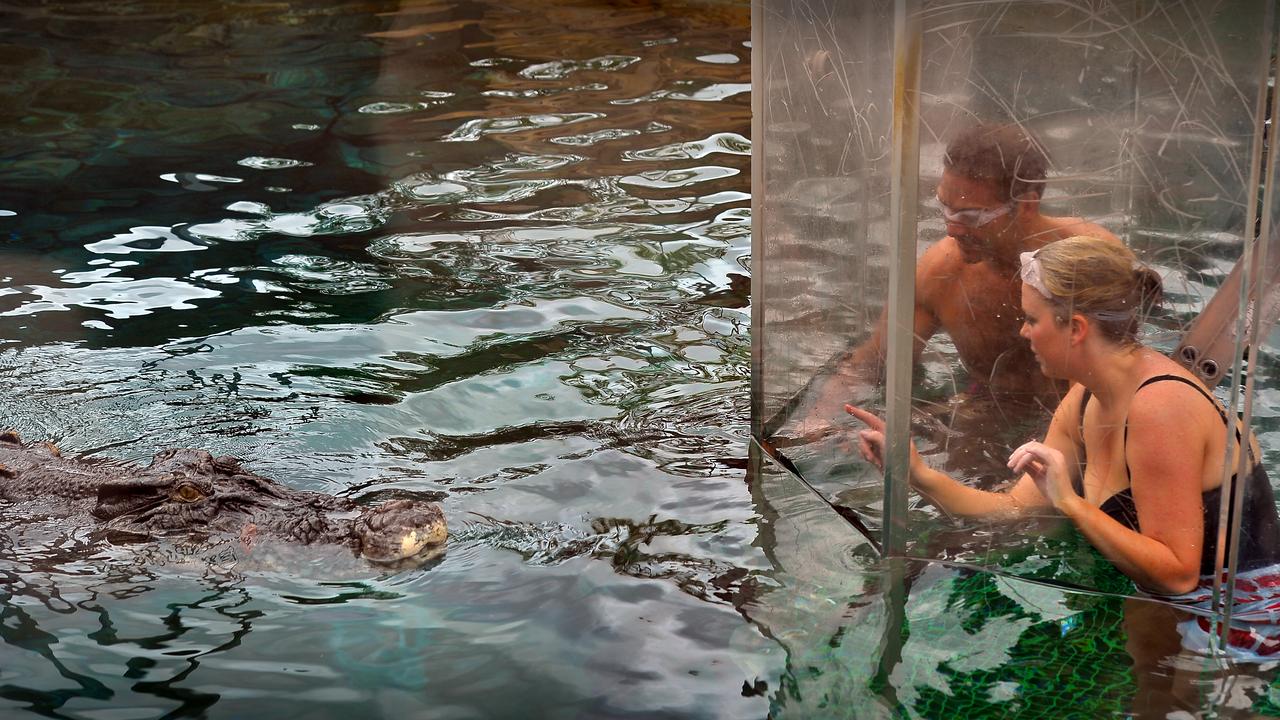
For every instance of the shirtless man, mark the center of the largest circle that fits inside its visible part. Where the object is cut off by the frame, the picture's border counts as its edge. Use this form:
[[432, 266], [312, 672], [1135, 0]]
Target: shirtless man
[[967, 284]]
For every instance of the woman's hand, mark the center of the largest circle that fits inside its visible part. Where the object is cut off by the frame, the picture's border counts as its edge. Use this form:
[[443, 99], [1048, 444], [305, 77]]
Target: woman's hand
[[1048, 468], [871, 442], [948, 495]]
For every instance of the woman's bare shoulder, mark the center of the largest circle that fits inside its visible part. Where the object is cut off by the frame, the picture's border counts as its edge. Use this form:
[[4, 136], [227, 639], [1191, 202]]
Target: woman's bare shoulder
[[1162, 403]]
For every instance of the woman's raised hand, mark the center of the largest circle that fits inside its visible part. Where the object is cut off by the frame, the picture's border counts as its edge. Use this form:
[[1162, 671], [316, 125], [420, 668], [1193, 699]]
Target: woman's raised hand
[[870, 442], [1048, 468]]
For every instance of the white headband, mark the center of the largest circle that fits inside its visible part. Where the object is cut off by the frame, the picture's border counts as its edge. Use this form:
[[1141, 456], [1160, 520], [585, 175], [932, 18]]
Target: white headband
[[1031, 273]]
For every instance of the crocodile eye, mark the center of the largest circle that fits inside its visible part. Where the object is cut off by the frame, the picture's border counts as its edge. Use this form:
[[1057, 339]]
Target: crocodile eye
[[188, 494]]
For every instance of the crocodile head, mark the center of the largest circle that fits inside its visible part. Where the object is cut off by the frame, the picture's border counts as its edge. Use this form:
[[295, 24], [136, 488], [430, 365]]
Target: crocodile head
[[186, 491]]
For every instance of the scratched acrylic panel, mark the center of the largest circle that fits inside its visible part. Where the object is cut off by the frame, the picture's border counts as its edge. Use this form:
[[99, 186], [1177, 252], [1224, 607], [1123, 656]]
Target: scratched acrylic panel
[[1151, 115], [822, 82], [822, 122]]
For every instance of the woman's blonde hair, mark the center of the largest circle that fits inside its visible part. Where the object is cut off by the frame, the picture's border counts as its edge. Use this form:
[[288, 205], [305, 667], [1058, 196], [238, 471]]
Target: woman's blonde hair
[[1102, 280]]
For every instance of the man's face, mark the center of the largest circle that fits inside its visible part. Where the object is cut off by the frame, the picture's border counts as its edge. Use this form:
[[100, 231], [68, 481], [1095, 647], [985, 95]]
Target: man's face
[[974, 213]]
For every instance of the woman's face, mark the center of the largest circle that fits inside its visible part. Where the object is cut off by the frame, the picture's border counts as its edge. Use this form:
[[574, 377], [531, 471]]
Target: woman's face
[[1049, 339]]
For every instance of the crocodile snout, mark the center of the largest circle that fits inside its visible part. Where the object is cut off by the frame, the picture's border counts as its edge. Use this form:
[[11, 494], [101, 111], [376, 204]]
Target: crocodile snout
[[399, 530]]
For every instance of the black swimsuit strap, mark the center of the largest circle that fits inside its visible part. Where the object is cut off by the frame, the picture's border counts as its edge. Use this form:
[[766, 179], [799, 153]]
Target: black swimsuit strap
[[1194, 385], [1158, 378]]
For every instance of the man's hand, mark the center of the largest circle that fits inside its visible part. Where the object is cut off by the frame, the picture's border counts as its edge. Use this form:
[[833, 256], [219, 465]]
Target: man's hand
[[819, 419], [812, 428]]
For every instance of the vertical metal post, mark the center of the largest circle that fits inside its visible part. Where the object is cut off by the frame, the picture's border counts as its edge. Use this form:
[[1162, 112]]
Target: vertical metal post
[[758, 305], [902, 269]]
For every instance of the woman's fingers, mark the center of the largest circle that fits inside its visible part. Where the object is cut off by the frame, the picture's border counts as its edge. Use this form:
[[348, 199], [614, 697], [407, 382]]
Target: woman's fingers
[[1027, 464], [1032, 458], [866, 440], [870, 445], [1032, 451], [872, 420], [1018, 460], [1047, 467]]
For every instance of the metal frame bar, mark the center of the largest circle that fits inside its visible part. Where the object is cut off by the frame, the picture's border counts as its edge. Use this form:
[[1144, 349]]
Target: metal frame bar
[[902, 268], [758, 294]]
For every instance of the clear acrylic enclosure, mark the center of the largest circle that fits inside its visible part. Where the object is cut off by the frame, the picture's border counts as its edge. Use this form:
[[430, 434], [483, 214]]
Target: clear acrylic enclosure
[[1152, 116]]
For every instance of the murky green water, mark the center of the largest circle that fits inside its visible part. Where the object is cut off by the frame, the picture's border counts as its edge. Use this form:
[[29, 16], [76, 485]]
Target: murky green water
[[491, 254]]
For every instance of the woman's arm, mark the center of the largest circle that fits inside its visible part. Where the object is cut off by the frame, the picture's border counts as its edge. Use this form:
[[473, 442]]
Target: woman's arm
[[1170, 429], [956, 498]]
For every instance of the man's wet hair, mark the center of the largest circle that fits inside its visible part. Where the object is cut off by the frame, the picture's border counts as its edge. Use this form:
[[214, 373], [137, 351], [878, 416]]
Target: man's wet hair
[[1007, 155]]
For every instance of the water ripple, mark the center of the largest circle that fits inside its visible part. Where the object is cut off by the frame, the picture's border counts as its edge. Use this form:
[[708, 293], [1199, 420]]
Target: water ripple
[[729, 143], [713, 92], [473, 130], [558, 69], [116, 297], [544, 92], [144, 239], [434, 98], [270, 163], [598, 136], [355, 214], [330, 275], [678, 178]]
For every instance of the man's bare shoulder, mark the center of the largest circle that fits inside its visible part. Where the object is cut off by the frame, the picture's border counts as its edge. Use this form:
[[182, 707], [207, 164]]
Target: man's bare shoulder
[[938, 267], [1071, 226], [942, 260]]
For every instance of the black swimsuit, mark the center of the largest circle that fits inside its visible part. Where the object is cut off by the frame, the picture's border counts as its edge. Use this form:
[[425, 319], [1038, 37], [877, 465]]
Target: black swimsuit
[[1259, 524]]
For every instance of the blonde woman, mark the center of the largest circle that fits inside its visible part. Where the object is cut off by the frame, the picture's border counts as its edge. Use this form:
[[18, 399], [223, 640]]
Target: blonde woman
[[1134, 453]]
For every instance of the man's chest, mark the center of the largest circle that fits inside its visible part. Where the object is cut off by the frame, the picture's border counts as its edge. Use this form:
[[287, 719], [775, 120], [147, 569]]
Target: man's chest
[[978, 306]]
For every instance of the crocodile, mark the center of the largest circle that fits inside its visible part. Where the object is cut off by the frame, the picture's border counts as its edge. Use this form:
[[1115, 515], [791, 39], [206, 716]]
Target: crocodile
[[190, 493]]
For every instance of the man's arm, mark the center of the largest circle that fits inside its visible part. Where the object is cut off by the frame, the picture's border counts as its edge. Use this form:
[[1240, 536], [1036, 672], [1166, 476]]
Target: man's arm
[[867, 360], [864, 364]]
